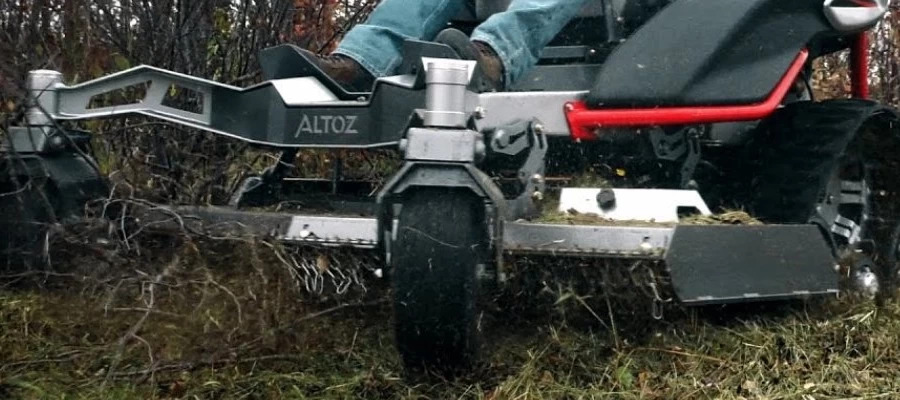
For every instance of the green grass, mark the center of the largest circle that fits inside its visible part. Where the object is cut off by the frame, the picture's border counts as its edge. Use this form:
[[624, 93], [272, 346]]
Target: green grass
[[230, 322]]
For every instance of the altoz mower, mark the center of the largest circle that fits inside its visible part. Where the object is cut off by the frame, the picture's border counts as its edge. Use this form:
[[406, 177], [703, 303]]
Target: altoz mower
[[691, 105]]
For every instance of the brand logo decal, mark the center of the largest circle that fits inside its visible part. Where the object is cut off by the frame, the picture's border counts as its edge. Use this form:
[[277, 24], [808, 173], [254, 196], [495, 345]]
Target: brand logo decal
[[327, 125]]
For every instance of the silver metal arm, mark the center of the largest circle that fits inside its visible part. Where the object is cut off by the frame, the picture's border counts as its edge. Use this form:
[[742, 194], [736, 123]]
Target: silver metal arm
[[293, 112], [74, 102], [287, 113]]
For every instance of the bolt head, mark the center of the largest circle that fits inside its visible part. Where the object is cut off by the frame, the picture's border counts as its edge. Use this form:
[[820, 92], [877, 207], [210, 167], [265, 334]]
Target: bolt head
[[537, 196], [606, 199], [866, 283], [57, 142], [537, 178], [480, 112], [538, 128], [480, 150]]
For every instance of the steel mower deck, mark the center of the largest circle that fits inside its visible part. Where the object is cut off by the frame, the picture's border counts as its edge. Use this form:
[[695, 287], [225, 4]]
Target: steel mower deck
[[708, 263], [474, 167]]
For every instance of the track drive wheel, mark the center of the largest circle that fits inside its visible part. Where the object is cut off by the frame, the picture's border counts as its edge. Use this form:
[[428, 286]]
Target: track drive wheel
[[441, 242], [25, 213], [834, 164]]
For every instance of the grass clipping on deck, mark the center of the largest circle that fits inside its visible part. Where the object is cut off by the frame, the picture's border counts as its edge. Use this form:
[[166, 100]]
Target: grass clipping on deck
[[725, 218], [728, 217]]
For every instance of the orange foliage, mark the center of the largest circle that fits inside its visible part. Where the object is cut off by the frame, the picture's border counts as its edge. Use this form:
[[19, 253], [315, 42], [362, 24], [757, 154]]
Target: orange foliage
[[315, 24]]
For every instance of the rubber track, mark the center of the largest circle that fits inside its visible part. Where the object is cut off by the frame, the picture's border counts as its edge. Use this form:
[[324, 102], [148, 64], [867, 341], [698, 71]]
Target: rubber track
[[794, 158]]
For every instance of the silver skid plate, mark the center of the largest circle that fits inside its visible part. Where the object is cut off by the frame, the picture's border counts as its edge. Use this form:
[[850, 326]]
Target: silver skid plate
[[518, 238], [314, 230], [586, 240]]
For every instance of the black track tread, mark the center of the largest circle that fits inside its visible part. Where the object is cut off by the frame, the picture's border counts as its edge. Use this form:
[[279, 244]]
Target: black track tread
[[798, 151], [441, 237], [796, 154]]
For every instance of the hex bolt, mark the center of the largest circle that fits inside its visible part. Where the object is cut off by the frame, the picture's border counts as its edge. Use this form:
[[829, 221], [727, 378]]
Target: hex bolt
[[537, 196], [480, 112], [57, 141], [537, 178], [480, 151], [538, 128], [500, 139], [606, 199]]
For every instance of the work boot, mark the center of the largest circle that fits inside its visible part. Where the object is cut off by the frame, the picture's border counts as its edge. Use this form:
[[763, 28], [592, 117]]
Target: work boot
[[346, 71], [491, 72]]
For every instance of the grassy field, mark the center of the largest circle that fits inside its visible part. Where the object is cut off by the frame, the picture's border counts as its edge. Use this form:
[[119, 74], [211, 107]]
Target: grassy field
[[230, 319]]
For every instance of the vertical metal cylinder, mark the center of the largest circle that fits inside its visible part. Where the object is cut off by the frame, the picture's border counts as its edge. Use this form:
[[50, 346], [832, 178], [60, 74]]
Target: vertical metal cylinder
[[42, 96], [445, 95]]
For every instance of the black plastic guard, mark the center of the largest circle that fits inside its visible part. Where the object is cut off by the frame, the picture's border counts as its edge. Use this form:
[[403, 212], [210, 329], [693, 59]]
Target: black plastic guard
[[709, 52], [727, 264]]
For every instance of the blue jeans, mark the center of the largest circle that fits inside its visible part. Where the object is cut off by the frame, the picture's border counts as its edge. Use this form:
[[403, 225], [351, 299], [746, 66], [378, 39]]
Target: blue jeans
[[518, 35]]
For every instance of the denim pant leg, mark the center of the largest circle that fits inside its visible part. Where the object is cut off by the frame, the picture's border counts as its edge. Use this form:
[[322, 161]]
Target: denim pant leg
[[520, 34], [377, 44]]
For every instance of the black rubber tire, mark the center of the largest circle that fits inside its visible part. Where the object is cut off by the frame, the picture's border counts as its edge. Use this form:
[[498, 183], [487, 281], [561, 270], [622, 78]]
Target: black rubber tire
[[441, 240]]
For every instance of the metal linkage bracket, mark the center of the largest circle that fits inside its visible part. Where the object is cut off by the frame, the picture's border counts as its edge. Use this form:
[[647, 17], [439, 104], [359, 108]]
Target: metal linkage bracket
[[524, 145]]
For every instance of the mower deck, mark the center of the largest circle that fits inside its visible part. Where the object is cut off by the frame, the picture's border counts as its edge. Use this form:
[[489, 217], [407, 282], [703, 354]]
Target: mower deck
[[705, 262]]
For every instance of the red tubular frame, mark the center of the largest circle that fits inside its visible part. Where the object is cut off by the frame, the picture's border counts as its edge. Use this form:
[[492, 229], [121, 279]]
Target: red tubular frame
[[859, 66], [584, 121]]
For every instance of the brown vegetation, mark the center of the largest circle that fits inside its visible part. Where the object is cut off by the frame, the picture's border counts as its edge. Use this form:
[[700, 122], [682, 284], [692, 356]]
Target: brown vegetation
[[193, 316]]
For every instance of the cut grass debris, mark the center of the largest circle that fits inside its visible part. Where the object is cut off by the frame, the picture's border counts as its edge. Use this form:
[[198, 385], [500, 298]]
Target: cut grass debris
[[227, 320]]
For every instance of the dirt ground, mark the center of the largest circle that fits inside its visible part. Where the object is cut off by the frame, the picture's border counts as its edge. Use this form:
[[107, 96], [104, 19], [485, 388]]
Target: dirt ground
[[234, 319]]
